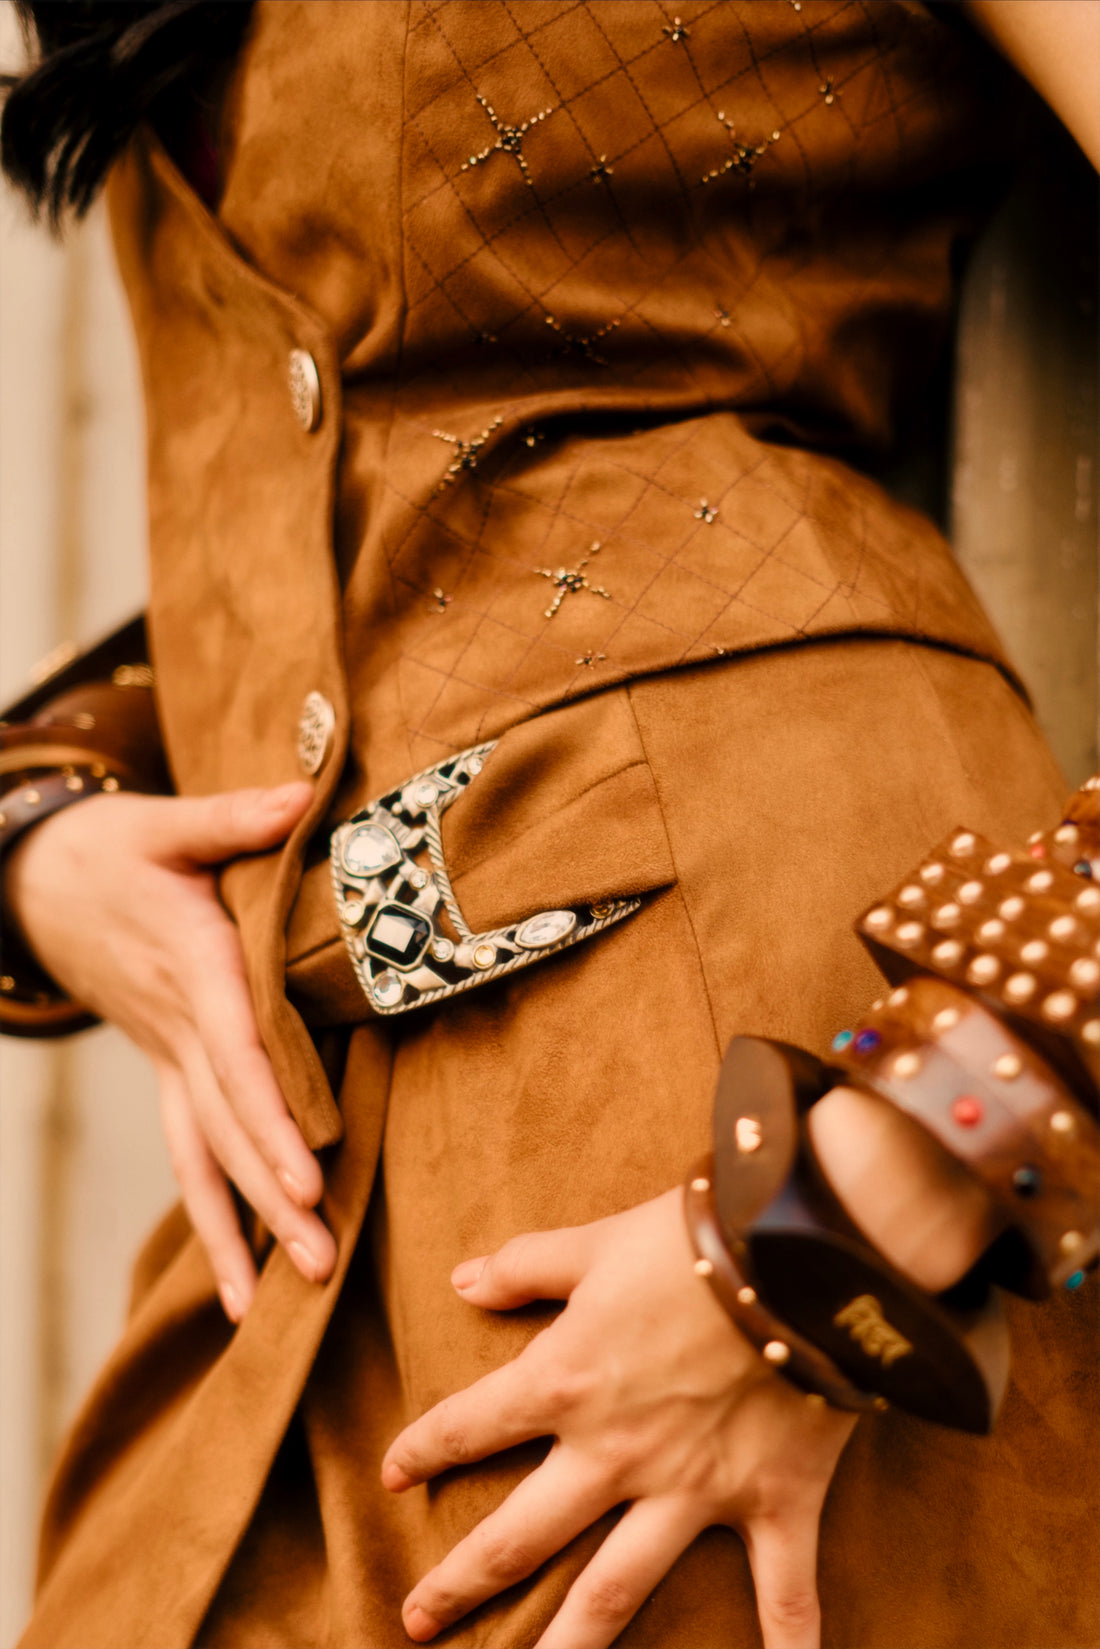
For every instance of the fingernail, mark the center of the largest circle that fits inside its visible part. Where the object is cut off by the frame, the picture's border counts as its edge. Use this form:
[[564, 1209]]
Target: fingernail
[[420, 1625], [291, 1186], [394, 1479], [467, 1274], [231, 1301], [307, 1263]]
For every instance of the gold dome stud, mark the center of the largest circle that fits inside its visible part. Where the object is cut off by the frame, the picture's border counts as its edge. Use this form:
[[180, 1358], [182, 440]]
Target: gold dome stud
[[1036, 950], [700, 1184], [1007, 1067], [1059, 1006], [907, 1065], [971, 892], [946, 1019], [947, 916], [911, 896], [703, 1268], [1064, 1123], [983, 970], [777, 1353], [878, 919], [931, 873], [998, 864], [1020, 987], [1011, 907], [909, 933], [947, 953], [1040, 882], [963, 844], [1062, 928], [1090, 1032], [1084, 973], [746, 1295]]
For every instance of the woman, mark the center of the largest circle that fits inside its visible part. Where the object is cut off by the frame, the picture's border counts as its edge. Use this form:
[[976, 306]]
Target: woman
[[579, 305]]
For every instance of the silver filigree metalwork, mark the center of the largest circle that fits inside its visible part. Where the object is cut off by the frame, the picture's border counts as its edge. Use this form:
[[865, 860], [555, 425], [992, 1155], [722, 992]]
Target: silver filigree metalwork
[[409, 943]]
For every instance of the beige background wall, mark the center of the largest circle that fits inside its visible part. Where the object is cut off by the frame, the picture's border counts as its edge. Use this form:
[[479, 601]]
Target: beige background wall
[[83, 1172]]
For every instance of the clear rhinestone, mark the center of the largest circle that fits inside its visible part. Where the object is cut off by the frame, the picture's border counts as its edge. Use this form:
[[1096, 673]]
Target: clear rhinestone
[[474, 765], [545, 929], [426, 794], [418, 878], [370, 849], [352, 911], [387, 989], [442, 949], [484, 956]]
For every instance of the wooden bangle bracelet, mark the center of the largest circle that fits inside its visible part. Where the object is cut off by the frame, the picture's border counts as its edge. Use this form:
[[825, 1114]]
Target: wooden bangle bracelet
[[944, 1358], [996, 1106], [779, 1345]]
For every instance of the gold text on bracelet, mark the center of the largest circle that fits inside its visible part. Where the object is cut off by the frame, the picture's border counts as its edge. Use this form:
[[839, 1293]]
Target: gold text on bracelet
[[863, 1319]]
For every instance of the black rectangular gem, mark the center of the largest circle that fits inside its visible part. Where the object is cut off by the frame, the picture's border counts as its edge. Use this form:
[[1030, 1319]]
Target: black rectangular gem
[[398, 935]]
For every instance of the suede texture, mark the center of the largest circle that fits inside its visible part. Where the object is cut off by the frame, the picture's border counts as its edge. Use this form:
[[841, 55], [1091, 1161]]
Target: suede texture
[[782, 792], [788, 693]]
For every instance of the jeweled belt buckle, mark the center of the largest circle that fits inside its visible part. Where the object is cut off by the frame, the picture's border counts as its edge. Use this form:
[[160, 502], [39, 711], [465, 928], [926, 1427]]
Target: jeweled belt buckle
[[389, 905]]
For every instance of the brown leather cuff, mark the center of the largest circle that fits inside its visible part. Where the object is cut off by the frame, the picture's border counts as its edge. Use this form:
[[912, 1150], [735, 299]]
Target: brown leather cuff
[[989, 1099], [30, 1002], [1016, 929]]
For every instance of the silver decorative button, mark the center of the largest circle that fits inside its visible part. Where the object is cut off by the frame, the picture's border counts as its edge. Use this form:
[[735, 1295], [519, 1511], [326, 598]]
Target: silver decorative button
[[304, 383], [316, 730]]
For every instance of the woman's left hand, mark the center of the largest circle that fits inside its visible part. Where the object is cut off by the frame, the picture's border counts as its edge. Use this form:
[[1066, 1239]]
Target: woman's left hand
[[655, 1399]]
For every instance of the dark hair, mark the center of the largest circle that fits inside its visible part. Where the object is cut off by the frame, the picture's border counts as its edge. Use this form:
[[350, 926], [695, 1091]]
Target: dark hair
[[104, 66]]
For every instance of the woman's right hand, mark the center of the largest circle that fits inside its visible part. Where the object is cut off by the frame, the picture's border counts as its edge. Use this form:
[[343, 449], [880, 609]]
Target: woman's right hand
[[117, 898]]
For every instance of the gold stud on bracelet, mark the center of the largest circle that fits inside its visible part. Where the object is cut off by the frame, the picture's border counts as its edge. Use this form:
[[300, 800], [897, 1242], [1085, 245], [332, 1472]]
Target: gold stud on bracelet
[[1040, 882], [1090, 1033], [971, 892], [880, 1404], [32, 797], [703, 1268], [947, 916], [983, 970], [1059, 1006], [909, 933], [776, 1352], [947, 1018], [1019, 987], [1085, 973], [746, 1295], [700, 1184], [1088, 899], [110, 784], [1063, 1122], [991, 931], [1036, 950], [7, 983], [911, 896], [898, 998], [1070, 1241], [1066, 833], [74, 782], [878, 919], [931, 873], [1011, 907], [815, 1399], [906, 1065], [946, 954], [962, 845], [1007, 1067], [999, 862], [1062, 927]]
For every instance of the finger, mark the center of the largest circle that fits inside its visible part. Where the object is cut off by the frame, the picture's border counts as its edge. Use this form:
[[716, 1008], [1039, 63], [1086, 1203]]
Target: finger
[[226, 1024], [550, 1507], [631, 1562], [206, 1197], [307, 1241], [783, 1558], [511, 1405], [207, 829], [540, 1265]]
